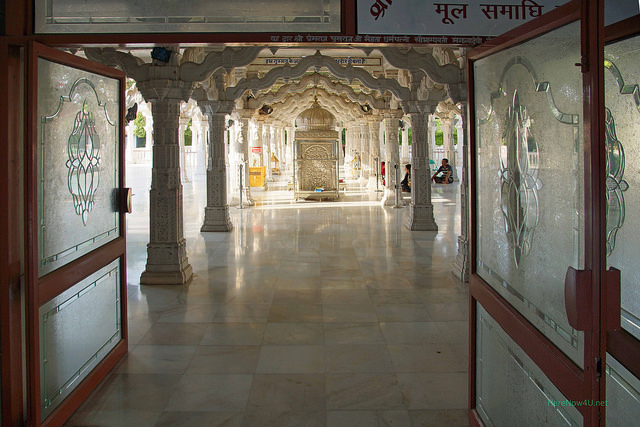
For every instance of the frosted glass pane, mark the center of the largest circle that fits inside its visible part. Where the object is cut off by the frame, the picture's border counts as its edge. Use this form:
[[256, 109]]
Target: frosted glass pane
[[623, 395], [78, 163], [510, 389], [622, 102], [97, 16], [78, 328], [530, 197]]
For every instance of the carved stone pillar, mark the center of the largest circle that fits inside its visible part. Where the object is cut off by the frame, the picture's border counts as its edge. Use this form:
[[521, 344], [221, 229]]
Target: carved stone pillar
[[167, 262], [365, 166], [259, 141], [357, 152], [291, 137], [391, 121], [244, 144], [374, 149], [432, 138], [183, 122], [266, 147], [462, 267], [216, 213], [449, 152], [199, 138], [421, 210]]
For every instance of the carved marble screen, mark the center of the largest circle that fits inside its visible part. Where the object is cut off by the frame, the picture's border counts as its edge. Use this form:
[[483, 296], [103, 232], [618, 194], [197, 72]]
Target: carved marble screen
[[78, 172], [530, 207], [162, 16]]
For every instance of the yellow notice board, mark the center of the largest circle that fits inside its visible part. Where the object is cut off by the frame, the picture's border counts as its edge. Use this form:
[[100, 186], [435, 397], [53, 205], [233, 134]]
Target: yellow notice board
[[256, 177]]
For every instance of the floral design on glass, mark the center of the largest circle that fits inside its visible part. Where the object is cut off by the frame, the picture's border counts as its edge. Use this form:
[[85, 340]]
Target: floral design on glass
[[519, 180], [615, 161], [83, 149], [615, 182]]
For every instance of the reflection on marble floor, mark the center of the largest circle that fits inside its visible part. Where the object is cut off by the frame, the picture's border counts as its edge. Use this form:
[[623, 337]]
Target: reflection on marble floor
[[308, 314]]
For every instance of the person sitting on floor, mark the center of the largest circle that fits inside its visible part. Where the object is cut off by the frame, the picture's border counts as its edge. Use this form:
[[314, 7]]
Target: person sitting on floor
[[443, 174], [406, 182]]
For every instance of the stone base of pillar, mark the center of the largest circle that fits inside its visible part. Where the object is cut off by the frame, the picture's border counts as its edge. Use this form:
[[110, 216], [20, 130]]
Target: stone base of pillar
[[421, 218], [461, 266], [248, 201], [216, 219], [371, 186], [167, 264], [389, 197]]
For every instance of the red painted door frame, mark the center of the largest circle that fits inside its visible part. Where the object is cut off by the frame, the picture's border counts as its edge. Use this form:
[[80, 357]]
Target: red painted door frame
[[575, 383], [39, 290]]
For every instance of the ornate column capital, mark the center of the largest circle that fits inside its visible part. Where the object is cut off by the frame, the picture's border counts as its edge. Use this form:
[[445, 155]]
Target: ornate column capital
[[211, 107]]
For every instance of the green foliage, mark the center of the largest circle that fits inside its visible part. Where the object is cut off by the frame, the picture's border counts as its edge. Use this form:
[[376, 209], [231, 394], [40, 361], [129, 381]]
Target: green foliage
[[140, 122], [440, 134], [188, 134]]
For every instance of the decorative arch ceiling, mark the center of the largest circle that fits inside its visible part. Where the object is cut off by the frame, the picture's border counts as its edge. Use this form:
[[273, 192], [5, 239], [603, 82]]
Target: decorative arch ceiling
[[343, 110], [323, 82], [397, 78]]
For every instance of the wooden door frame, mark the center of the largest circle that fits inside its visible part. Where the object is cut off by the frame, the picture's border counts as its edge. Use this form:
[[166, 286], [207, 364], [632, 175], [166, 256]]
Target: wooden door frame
[[572, 381], [41, 290], [11, 226]]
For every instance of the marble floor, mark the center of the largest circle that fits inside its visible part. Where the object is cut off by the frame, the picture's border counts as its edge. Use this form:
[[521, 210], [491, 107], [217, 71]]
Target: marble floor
[[307, 314]]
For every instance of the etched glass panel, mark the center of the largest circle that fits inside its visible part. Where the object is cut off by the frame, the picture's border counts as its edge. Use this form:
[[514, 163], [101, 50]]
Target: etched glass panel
[[78, 328], [622, 102], [530, 201], [510, 389], [162, 16], [78, 163], [623, 395]]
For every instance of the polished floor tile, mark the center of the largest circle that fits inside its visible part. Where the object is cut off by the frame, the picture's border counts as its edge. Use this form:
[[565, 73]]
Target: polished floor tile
[[368, 418], [305, 314], [364, 391], [211, 392]]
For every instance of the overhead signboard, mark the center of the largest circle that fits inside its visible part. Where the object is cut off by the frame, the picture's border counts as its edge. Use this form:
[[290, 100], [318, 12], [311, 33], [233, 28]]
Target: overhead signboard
[[342, 60], [458, 18]]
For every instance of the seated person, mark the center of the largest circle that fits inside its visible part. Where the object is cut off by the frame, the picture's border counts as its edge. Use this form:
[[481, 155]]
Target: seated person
[[443, 174], [406, 182]]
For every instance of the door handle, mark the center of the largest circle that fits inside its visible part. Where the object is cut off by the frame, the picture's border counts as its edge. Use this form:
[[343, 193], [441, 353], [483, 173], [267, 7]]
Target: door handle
[[126, 200], [578, 299]]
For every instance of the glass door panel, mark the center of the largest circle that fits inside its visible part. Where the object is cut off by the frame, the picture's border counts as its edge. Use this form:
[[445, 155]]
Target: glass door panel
[[511, 389], [77, 294], [622, 148], [622, 131], [78, 163], [529, 178], [623, 395]]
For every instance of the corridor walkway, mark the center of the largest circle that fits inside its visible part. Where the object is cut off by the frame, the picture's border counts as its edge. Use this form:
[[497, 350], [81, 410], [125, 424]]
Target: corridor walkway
[[308, 314]]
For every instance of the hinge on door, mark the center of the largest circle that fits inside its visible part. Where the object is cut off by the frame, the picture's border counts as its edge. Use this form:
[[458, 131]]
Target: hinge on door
[[598, 368]]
